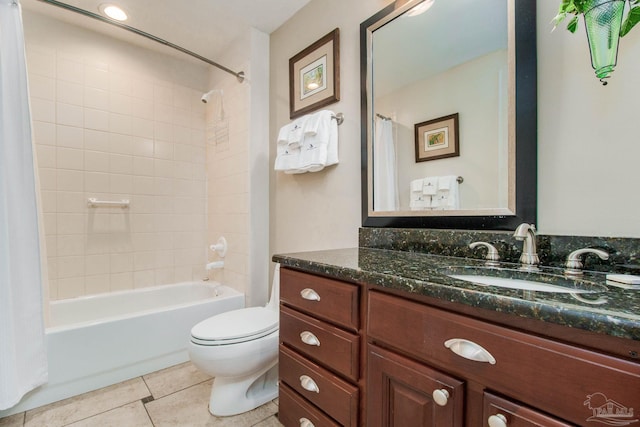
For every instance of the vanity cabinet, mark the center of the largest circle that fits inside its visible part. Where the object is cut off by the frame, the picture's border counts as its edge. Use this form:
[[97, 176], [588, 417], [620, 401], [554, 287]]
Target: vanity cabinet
[[514, 377], [360, 355], [319, 351]]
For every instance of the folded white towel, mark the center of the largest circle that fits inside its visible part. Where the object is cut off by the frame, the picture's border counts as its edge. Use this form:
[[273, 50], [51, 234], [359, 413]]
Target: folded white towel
[[293, 133], [286, 158], [430, 185], [416, 185], [316, 121]]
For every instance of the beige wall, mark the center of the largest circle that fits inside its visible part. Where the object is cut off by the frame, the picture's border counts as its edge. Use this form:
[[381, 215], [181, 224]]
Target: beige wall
[[114, 121], [319, 210], [587, 149]]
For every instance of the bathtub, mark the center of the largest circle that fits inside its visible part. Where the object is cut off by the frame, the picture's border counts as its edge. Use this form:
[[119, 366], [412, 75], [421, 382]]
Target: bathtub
[[99, 340]]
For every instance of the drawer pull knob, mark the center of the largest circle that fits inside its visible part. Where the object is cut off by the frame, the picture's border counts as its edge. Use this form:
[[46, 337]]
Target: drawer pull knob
[[441, 397], [498, 420], [309, 294], [309, 338], [469, 350], [304, 422], [309, 384]]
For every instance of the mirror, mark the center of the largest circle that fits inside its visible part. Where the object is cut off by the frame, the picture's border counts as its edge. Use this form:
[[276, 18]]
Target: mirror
[[448, 102]]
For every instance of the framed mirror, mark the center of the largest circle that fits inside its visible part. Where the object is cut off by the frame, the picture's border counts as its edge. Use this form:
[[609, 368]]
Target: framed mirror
[[448, 98]]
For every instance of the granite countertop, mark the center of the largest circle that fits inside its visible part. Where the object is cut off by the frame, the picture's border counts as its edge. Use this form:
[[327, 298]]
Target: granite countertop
[[605, 309]]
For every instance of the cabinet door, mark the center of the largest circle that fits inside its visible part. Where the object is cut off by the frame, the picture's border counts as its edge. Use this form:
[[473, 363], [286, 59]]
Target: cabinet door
[[499, 412], [403, 393]]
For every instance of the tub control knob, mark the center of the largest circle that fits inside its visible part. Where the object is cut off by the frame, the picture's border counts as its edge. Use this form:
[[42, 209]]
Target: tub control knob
[[498, 420], [441, 397]]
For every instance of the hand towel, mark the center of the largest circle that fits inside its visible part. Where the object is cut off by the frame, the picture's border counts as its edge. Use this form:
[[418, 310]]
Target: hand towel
[[416, 185], [296, 131], [430, 185]]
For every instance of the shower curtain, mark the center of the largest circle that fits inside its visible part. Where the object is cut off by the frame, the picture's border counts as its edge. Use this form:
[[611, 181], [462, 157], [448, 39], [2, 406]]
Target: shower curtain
[[23, 362], [385, 175]]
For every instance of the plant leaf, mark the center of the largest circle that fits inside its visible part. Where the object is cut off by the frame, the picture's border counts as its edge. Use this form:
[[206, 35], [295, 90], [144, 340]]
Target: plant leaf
[[633, 17], [573, 24]]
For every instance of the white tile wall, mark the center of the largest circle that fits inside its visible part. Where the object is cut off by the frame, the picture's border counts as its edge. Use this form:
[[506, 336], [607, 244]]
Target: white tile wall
[[105, 129]]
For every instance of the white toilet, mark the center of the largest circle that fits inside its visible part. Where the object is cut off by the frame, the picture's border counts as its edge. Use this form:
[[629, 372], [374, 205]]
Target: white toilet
[[239, 349]]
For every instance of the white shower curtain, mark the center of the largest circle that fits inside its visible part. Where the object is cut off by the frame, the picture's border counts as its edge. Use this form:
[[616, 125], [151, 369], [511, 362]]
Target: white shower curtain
[[23, 362], [385, 175]]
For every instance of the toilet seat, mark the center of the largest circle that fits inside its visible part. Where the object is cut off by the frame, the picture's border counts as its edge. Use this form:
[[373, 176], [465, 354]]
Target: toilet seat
[[235, 326]]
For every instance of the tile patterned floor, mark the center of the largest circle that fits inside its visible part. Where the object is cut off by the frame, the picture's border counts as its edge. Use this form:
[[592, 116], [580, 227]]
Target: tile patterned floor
[[176, 396]]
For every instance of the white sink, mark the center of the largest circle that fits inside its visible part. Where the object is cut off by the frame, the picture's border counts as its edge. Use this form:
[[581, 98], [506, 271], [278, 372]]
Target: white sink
[[526, 285], [538, 281]]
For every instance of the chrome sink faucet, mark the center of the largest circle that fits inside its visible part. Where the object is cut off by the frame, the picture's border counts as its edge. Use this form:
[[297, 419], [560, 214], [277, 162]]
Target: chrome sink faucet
[[529, 259]]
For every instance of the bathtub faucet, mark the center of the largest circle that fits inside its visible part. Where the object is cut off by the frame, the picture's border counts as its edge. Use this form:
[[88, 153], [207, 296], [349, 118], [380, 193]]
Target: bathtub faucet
[[215, 264]]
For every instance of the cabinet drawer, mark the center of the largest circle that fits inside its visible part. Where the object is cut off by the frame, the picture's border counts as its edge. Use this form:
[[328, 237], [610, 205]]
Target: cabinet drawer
[[331, 300], [542, 373], [293, 410], [326, 344], [516, 415], [333, 395]]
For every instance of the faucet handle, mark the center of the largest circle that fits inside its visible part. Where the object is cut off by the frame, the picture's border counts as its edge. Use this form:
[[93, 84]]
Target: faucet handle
[[492, 257], [573, 265]]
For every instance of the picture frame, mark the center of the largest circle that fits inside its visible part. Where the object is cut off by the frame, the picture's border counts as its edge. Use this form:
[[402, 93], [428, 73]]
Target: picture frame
[[437, 138], [314, 76]]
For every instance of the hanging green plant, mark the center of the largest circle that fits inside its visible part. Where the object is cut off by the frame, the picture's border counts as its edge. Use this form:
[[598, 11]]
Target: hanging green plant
[[605, 25], [579, 7]]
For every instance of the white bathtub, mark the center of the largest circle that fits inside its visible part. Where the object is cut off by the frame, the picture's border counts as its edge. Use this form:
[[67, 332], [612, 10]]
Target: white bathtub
[[99, 340]]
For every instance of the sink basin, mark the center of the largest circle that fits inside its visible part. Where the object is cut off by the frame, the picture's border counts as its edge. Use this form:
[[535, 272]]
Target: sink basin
[[523, 280]]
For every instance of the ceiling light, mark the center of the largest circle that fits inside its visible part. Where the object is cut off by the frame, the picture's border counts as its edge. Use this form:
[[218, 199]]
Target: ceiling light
[[421, 8], [113, 12]]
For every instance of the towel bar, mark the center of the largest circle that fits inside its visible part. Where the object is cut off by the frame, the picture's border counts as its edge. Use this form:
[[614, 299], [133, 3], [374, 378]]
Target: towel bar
[[92, 202], [339, 118]]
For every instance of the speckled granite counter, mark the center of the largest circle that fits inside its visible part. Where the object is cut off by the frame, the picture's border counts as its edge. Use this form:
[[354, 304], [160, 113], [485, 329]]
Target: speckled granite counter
[[606, 310]]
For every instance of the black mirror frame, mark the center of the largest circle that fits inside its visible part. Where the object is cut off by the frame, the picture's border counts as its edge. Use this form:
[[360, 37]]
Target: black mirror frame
[[525, 133]]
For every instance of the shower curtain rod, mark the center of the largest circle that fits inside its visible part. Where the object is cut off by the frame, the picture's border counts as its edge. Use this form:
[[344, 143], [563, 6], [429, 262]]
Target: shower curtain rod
[[239, 75]]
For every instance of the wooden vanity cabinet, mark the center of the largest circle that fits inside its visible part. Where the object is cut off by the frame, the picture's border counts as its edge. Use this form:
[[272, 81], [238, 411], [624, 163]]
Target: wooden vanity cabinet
[[526, 379], [354, 355], [319, 351]]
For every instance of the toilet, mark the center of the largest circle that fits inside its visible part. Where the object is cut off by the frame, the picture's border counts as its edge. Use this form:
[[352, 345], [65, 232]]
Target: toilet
[[239, 349]]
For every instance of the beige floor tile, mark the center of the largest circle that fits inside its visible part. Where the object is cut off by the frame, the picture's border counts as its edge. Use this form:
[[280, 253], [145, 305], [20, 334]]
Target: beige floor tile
[[86, 405], [16, 420], [175, 378], [189, 407], [272, 421], [131, 415]]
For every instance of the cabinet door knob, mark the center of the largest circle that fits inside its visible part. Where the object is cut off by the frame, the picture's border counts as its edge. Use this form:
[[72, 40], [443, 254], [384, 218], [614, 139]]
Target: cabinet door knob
[[309, 338], [469, 350], [309, 384], [304, 422], [498, 420], [309, 294], [441, 397]]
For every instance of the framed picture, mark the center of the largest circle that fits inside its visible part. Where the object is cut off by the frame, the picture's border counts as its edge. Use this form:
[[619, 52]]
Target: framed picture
[[314, 76], [437, 138]]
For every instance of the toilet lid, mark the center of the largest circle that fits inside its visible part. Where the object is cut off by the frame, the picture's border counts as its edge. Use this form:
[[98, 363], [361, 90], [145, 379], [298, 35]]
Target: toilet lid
[[235, 325]]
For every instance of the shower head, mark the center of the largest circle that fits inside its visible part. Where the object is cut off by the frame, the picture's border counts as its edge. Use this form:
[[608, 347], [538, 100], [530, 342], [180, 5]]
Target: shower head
[[207, 96]]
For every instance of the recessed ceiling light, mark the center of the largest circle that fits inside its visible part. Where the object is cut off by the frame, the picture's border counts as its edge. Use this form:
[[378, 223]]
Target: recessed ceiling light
[[113, 12], [421, 8]]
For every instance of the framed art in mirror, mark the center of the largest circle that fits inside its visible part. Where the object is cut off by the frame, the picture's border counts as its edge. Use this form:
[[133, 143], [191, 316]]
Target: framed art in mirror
[[437, 138], [314, 76]]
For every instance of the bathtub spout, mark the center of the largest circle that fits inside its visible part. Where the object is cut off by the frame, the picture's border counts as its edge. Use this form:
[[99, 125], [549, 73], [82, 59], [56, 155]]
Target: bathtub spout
[[215, 264]]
